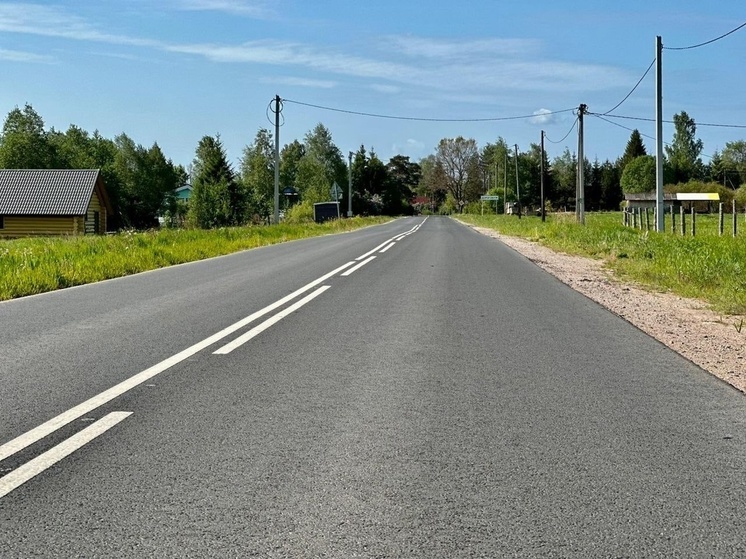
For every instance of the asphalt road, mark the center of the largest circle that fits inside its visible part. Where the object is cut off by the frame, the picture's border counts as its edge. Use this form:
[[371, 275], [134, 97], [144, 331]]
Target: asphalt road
[[445, 399]]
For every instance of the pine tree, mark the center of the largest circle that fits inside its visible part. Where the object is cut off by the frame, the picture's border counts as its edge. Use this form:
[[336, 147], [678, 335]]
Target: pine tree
[[217, 200], [684, 151], [635, 148]]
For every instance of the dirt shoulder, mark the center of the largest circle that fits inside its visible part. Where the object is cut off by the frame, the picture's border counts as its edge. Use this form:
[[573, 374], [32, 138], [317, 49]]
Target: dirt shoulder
[[685, 325]]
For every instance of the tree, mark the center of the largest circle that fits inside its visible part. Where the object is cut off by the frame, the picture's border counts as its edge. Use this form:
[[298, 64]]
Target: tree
[[216, 200], [403, 176], [639, 175], [73, 149], [290, 157], [146, 182], [313, 185], [593, 187], [635, 148], [24, 143], [369, 181], [683, 153], [320, 146], [459, 159], [258, 173], [564, 176], [611, 189], [734, 161], [433, 181]]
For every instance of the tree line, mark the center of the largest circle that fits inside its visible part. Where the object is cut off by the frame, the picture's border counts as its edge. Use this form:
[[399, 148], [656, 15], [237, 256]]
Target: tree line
[[141, 181], [459, 172]]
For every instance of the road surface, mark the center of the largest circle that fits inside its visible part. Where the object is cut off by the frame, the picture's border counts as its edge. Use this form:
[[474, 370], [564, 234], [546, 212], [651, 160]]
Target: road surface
[[408, 390]]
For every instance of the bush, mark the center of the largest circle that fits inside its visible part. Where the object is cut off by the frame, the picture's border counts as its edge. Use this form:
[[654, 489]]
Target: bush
[[300, 213]]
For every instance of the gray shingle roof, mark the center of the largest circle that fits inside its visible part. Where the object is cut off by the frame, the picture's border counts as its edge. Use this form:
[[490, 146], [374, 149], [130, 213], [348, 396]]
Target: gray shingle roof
[[46, 191]]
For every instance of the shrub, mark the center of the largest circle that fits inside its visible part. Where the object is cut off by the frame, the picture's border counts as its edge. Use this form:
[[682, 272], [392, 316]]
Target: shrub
[[300, 213]]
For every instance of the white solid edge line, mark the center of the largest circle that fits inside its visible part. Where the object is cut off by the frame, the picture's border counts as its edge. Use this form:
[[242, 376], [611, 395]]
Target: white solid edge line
[[34, 467], [259, 328], [59, 421], [384, 249], [356, 268]]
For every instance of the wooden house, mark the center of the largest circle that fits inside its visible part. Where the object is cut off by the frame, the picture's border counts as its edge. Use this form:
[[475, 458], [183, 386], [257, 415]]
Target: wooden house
[[52, 202]]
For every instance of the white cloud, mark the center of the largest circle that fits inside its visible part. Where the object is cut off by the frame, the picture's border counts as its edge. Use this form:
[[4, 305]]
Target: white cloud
[[255, 9], [382, 88], [479, 68], [543, 116], [443, 49], [299, 82], [26, 57], [411, 146], [51, 21]]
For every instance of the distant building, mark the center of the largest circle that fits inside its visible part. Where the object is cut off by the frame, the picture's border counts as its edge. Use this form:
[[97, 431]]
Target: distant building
[[183, 193], [53, 202]]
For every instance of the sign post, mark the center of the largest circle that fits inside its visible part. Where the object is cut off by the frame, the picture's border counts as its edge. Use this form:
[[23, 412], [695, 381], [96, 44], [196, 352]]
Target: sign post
[[489, 199]]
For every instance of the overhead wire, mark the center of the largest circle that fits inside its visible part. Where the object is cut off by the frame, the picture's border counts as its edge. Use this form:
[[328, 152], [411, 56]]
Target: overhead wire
[[421, 119], [641, 134], [710, 124], [707, 42], [633, 89], [565, 136]]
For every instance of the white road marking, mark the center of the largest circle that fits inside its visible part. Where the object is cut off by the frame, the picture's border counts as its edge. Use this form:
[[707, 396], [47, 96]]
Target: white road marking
[[50, 426], [360, 265], [384, 249], [34, 467], [397, 238], [367, 254], [37, 433], [258, 329]]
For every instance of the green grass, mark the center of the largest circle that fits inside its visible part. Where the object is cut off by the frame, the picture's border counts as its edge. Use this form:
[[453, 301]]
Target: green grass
[[707, 267], [36, 265]]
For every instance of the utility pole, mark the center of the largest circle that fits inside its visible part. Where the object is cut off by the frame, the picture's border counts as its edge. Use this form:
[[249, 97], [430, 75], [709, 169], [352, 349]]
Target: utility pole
[[517, 186], [349, 186], [659, 221], [277, 110], [580, 190], [505, 180], [541, 166]]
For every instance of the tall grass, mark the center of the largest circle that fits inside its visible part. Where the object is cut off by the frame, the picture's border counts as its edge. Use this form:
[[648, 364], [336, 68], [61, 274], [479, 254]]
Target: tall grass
[[36, 265], [708, 267]]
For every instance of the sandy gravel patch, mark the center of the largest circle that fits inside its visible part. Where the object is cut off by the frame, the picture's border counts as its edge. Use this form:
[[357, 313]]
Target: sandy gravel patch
[[685, 325]]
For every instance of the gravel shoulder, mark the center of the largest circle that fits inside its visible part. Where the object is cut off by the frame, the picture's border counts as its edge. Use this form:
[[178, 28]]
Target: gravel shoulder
[[687, 326]]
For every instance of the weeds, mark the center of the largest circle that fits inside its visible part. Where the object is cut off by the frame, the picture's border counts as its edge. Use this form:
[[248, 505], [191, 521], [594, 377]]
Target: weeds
[[707, 267], [36, 265]]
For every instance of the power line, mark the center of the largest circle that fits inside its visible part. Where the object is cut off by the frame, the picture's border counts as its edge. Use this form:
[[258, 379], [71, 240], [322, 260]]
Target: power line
[[707, 42], [620, 125], [633, 89], [566, 135], [411, 118], [641, 134], [671, 121]]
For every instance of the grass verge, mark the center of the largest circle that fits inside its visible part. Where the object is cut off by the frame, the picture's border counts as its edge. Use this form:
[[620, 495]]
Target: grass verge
[[36, 265], [707, 267]]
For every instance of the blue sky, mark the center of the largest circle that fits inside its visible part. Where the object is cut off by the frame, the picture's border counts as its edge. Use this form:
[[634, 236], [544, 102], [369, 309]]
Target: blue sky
[[172, 71]]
